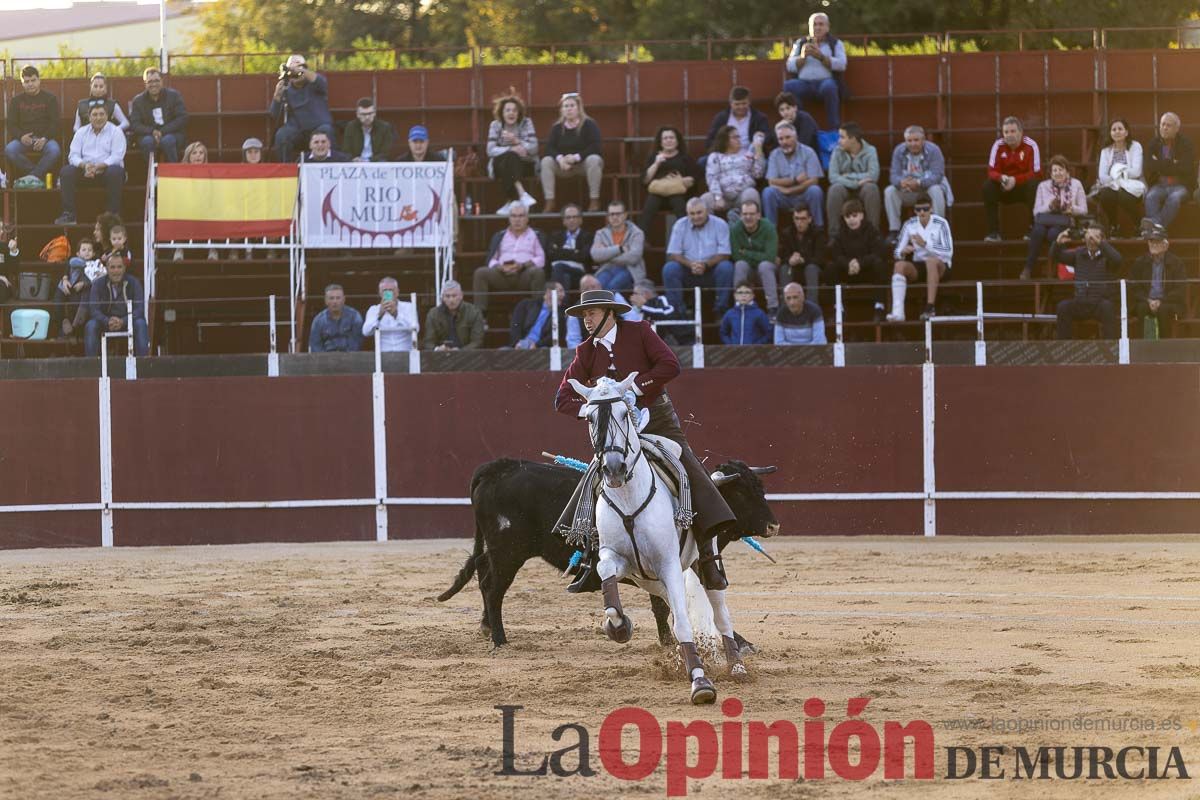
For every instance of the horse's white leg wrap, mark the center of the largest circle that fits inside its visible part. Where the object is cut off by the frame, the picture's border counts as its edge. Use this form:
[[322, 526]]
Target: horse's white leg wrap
[[721, 616]]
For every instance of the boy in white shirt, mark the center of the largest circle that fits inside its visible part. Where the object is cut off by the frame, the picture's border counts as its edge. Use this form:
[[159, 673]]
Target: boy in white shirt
[[923, 253]]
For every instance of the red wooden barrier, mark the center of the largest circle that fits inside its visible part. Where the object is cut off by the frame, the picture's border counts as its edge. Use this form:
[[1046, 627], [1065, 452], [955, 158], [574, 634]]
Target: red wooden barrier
[[858, 429]]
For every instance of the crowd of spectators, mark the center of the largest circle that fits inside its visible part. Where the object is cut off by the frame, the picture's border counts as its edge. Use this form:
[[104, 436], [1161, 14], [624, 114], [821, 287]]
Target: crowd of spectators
[[771, 203]]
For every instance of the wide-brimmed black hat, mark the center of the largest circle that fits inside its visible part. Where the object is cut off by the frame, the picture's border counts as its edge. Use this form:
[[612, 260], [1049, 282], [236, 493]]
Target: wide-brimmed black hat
[[597, 298]]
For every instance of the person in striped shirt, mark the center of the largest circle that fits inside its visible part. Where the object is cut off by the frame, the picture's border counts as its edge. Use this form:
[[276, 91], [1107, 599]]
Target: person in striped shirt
[[923, 253]]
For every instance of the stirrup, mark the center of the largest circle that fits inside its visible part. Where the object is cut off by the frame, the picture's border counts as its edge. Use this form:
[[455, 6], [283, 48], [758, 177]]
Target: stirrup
[[586, 579]]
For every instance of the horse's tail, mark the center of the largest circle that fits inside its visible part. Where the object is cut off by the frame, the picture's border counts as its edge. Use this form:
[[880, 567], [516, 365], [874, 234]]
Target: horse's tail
[[468, 568]]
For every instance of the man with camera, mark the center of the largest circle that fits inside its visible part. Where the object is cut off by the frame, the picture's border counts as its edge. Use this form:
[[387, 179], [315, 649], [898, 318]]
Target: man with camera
[[395, 319], [1095, 264], [304, 96]]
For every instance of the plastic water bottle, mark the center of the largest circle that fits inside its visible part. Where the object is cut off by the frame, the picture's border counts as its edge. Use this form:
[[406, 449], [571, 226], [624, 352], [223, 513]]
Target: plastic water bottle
[[468, 204]]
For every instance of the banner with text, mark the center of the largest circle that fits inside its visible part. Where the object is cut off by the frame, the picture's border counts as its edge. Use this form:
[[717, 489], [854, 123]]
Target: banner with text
[[376, 204]]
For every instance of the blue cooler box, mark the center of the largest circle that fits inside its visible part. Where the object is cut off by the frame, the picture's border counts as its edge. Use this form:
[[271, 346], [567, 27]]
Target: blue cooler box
[[30, 323]]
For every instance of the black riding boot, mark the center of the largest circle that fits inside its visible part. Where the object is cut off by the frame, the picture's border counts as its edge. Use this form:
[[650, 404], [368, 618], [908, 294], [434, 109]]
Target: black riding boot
[[712, 570], [586, 577]]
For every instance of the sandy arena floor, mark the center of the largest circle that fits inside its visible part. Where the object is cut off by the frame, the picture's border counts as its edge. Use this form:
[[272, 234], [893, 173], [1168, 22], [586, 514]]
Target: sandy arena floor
[[330, 671]]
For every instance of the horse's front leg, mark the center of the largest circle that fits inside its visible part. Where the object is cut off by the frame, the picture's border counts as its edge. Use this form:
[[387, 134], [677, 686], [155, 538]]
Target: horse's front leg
[[703, 690], [611, 569]]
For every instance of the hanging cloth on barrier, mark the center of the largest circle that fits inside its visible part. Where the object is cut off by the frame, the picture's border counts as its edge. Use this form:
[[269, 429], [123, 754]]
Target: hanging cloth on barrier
[[225, 201], [382, 204]]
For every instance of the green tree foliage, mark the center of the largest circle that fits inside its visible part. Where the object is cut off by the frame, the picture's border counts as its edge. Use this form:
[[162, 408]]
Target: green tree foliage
[[287, 26], [449, 27]]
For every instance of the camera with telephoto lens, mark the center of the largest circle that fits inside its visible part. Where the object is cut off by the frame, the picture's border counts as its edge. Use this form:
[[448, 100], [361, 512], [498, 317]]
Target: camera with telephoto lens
[[284, 72], [1079, 226]]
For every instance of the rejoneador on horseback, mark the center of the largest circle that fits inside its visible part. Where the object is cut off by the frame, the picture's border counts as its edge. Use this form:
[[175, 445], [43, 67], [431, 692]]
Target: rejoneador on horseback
[[634, 521], [614, 349]]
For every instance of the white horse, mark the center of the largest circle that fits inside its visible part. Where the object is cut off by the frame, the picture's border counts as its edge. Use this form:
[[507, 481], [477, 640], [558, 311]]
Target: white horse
[[639, 541]]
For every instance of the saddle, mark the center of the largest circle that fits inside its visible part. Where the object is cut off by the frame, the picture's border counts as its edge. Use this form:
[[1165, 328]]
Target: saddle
[[663, 456]]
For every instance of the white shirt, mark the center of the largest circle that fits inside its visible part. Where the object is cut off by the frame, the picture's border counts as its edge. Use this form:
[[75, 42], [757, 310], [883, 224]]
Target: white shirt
[[938, 241], [105, 147], [395, 333], [367, 152], [609, 340], [743, 129]]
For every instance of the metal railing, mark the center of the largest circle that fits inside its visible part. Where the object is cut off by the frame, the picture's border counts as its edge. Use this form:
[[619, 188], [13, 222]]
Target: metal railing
[[130, 353], [707, 48]]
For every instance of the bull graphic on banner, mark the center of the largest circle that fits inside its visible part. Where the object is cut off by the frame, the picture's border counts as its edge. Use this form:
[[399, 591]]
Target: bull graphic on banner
[[375, 205]]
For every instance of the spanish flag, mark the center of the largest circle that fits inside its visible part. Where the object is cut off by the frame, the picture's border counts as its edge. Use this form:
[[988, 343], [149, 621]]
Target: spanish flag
[[225, 201]]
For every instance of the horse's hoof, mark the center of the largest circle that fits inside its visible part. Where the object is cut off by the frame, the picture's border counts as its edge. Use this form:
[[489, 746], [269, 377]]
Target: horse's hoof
[[703, 692], [738, 672], [620, 632]]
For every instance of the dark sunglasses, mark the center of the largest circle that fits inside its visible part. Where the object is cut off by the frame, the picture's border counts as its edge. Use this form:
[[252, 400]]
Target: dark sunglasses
[[922, 209]]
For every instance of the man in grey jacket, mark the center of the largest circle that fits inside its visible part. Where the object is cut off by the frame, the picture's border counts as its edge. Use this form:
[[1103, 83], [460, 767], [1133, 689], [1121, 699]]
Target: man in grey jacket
[[918, 167], [617, 251], [853, 172]]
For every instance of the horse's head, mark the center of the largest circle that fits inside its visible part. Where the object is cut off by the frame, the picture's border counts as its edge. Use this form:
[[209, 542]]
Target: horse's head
[[612, 427]]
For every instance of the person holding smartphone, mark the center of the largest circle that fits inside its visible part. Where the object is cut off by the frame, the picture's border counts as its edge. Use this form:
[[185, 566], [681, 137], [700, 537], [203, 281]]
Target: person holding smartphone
[[396, 320]]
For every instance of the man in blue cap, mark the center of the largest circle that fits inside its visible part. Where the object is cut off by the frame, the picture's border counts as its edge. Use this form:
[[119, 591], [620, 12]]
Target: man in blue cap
[[418, 146]]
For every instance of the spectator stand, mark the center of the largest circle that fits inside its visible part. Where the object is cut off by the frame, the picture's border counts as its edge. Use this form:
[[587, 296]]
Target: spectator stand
[[958, 95], [191, 205]]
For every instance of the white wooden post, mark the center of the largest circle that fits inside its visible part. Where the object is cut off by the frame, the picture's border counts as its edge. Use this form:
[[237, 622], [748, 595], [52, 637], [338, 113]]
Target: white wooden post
[[839, 345]]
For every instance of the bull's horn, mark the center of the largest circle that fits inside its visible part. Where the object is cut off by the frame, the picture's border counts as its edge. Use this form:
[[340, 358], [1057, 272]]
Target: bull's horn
[[720, 478], [763, 470]]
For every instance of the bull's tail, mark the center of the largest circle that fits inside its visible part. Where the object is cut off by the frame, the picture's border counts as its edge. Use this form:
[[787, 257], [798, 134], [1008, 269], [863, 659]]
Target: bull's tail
[[468, 568]]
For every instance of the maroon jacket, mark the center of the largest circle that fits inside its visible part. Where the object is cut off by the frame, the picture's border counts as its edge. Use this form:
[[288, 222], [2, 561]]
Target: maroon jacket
[[638, 349]]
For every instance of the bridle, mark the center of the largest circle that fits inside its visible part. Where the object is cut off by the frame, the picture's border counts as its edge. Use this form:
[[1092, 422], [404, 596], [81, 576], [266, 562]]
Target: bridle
[[600, 439], [604, 413]]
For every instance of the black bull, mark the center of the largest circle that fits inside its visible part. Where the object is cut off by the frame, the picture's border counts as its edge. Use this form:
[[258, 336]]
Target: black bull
[[517, 504]]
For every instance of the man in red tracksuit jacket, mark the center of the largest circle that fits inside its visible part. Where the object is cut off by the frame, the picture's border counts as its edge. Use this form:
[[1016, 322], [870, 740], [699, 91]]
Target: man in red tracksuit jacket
[[614, 349], [1014, 169]]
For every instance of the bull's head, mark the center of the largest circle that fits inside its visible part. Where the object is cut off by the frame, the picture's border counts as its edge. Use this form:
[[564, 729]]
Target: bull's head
[[743, 491]]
